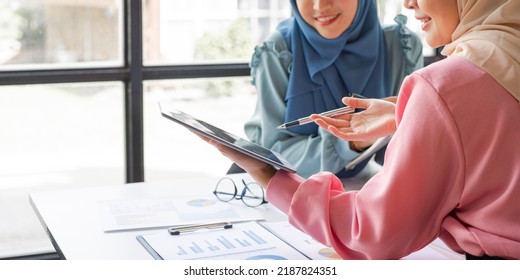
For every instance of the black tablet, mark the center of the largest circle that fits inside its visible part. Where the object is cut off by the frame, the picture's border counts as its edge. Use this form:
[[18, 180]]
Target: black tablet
[[242, 145]]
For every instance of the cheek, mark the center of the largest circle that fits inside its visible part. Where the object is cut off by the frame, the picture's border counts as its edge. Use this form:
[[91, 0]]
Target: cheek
[[451, 19], [302, 9], [448, 29], [308, 18]]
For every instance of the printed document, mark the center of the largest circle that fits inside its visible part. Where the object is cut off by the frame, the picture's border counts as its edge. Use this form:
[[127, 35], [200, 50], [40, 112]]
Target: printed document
[[171, 211], [244, 241]]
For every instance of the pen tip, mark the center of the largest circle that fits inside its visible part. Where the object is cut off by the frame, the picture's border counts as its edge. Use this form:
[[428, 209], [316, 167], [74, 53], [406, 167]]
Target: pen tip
[[281, 126]]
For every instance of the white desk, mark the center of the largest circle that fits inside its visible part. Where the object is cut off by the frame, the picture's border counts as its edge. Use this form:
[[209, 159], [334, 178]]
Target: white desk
[[72, 220]]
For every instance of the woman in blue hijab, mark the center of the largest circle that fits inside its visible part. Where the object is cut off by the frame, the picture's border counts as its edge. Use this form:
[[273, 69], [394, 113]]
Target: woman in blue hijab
[[327, 50]]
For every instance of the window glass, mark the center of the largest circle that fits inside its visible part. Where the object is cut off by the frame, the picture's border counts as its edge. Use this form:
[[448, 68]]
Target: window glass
[[60, 33], [54, 137], [171, 151], [224, 31], [207, 31]]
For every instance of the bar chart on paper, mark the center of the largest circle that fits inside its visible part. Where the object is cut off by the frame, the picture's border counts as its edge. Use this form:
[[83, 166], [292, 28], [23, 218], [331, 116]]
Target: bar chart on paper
[[245, 241]]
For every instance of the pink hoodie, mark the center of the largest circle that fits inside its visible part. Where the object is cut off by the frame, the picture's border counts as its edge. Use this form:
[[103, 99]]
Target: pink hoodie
[[452, 169]]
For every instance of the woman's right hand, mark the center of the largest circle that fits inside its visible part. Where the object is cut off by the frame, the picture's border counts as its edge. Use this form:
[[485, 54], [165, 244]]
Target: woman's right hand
[[377, 120], [260, 171]]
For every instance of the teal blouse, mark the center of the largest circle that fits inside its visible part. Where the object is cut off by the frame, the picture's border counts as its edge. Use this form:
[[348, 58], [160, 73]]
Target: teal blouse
[[270, 70]]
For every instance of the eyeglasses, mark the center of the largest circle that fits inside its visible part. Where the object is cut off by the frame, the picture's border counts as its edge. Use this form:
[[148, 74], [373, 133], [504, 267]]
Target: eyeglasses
[[252, 194]]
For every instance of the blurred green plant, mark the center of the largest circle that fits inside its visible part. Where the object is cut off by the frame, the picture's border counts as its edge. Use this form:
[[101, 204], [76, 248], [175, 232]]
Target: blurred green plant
[[234, 43], [21, 32], [10, 29]]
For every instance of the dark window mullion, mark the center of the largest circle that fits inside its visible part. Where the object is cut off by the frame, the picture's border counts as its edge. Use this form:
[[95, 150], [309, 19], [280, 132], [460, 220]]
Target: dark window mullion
[[195, 71], [31, 77], [134, 146]]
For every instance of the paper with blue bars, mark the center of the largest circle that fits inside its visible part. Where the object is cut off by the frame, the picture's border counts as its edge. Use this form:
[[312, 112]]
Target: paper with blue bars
[[245, 241]]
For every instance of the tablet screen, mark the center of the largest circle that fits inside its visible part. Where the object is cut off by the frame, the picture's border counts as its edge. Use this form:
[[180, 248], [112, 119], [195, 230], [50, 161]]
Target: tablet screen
[[226, 138]]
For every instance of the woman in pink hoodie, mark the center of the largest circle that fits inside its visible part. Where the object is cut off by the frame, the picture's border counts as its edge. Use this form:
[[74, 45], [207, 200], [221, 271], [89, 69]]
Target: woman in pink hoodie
[[452, 168]]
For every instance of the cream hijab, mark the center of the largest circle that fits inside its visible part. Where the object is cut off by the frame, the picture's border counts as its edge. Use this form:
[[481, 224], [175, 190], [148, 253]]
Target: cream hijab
[[489, 36]]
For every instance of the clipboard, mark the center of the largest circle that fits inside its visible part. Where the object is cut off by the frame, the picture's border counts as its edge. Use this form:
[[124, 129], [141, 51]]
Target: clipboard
[[244, 241], [378, 145], [230, 140]]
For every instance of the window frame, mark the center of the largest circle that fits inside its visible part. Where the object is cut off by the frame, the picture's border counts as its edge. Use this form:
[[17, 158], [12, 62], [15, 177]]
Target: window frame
[[133, 73]]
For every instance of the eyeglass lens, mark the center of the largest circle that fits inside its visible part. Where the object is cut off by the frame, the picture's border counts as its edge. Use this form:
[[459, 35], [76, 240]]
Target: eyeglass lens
[[252, 194], [226, 189]]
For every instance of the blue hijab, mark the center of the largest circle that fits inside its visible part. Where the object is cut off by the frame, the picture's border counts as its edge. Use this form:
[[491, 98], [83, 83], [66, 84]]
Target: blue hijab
[[325, 70]]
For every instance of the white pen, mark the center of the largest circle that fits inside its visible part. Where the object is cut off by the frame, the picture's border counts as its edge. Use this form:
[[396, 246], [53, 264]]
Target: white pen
[[331, 113], [189, 228]]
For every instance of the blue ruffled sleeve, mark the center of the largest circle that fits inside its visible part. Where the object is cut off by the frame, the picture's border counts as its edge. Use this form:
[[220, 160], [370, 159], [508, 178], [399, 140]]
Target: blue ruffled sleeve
[[404, 50], [275, 48]]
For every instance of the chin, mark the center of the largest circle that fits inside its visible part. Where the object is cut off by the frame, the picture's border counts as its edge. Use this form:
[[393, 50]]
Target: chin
[[329, 34], [437, 42], [434, 43]]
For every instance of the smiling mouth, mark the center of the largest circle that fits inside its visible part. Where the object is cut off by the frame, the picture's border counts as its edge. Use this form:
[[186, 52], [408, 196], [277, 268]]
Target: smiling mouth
[[325, 20], [424, 20]]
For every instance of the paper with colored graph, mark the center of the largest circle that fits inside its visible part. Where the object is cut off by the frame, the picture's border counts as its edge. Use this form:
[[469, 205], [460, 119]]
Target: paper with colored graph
[[244, 241], [171, 211]]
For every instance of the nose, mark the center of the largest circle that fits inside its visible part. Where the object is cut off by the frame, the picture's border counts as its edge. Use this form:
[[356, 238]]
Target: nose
[[321, 4], [410, 4]]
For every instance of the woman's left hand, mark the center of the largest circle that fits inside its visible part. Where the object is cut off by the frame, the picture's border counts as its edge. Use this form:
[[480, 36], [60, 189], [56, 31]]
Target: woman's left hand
[[377, 120]]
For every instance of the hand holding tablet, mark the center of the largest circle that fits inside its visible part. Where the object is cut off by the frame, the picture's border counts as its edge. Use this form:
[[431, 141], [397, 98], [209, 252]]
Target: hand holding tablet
[[228, 139]]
